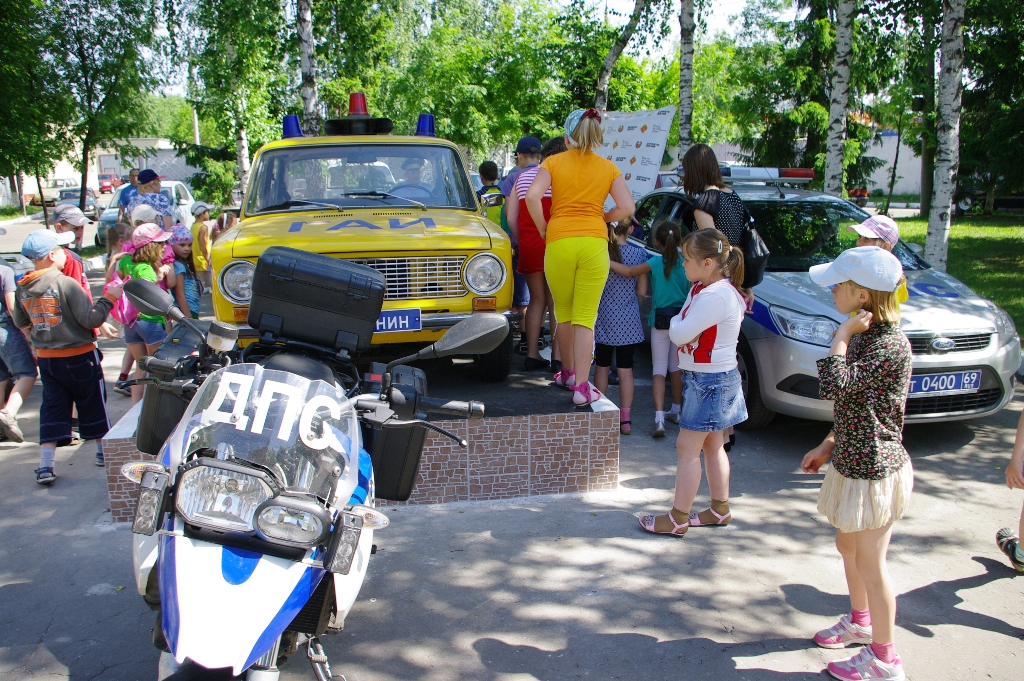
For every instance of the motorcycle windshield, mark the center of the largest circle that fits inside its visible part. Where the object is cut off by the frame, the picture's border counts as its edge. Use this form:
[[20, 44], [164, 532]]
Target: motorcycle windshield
[[302, 431]]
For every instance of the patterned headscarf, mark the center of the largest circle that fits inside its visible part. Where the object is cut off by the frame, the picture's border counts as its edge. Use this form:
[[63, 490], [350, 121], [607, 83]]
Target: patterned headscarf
[[573, 121]]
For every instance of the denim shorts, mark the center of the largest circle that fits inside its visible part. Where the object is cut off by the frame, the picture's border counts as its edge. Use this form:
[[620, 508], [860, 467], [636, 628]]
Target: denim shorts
[[16, 360], [712, 402], [141, 331]]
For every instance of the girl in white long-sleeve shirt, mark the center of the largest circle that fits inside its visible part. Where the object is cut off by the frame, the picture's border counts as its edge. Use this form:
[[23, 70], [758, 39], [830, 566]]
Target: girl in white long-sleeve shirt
[[706, 331]]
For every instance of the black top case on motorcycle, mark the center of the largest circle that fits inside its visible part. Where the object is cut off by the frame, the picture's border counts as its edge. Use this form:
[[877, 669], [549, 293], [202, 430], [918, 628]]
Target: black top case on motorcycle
[[315, 299], [162, 409]]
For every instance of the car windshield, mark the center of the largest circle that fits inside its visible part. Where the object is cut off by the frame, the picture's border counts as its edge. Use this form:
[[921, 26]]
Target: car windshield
[[303, 432], [359, 175], [800, 234]]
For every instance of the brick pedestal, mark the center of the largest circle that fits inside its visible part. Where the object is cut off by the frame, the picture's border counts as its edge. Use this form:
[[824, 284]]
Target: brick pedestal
[[507, 457]]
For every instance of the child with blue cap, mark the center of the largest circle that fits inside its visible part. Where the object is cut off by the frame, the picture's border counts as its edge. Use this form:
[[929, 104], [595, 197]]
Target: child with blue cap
[[59, 318]]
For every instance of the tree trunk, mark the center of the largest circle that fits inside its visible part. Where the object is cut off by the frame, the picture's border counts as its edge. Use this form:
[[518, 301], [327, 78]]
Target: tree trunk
[[686, 29], [241, 144], [927, 138], [83, 192], [835, 146], [307, 65], [947, 149], [605, 75], [990, 200], [895, 162], [42, 199], [16, 183], [196, 139]]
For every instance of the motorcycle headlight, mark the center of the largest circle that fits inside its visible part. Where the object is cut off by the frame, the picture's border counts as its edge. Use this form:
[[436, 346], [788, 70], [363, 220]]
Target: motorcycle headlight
[[221, 496], [804, 327], [292, 522], [1006, 330], [484, 274], [236, 281]]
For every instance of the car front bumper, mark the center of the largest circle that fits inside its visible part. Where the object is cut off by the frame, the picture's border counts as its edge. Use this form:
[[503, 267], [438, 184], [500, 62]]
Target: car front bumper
[[788, 376]]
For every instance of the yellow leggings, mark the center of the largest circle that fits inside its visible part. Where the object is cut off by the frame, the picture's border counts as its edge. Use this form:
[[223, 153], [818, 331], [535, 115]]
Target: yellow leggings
[[576, 269]]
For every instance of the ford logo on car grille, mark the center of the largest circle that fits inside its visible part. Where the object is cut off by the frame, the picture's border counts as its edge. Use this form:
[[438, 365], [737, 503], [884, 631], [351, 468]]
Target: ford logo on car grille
[[943, 344]]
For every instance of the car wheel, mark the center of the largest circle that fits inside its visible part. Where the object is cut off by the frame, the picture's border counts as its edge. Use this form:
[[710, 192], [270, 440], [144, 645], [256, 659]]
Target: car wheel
[[965, 204], [758, 415], [96, 239], [495, 366]]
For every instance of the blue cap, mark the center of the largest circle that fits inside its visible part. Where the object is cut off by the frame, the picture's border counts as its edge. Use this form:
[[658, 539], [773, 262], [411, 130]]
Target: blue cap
[[528, 145], [425, 125], [42, 242], [291, 127]]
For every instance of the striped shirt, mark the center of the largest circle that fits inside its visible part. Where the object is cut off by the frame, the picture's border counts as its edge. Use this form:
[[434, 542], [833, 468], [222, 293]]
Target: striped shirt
[[524, 180]]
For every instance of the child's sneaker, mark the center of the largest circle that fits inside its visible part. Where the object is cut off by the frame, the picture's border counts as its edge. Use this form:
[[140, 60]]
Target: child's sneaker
[[9, 427], [45, 476], [585, 395], [565, 379], [842, 634], [864, 665], [99, 458], [659, 429], [672, 416], [122, 387], [1007, 542]]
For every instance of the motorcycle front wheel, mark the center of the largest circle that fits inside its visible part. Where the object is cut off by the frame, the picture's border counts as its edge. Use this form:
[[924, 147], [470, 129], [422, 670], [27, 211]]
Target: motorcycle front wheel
[[170, 670]]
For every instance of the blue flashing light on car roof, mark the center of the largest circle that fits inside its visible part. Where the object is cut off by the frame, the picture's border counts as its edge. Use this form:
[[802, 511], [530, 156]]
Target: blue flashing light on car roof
[[291, 127], [425, 125]]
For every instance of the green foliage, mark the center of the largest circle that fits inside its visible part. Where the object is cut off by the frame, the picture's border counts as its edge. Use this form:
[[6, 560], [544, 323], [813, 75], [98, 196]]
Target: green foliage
[[215, 182]]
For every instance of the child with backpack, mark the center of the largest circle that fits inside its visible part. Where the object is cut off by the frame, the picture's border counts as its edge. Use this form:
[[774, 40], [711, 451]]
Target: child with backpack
[[60, 320], [668, 292], [867, 488], [618, 329], [187, 287], [706, 331]]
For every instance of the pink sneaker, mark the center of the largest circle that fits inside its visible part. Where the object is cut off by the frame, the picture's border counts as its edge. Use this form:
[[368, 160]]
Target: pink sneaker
[[864, 665], [585, 394], [842, 634], [566, 379]]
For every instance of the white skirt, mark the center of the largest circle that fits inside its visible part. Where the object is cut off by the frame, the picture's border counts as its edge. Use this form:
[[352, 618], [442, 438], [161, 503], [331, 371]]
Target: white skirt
[[852, 505]]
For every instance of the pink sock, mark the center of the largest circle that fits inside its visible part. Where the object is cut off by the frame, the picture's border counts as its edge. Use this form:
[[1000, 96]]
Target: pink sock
[[886, 652], [624, 415], [861, 617]]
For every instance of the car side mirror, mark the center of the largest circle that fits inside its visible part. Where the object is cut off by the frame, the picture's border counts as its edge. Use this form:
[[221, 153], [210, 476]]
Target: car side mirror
[[492, 200], [916, 248], [182, 202]]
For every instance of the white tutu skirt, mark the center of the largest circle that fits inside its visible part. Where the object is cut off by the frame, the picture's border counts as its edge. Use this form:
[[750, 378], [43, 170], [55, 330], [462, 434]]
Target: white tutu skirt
[[852, 505]]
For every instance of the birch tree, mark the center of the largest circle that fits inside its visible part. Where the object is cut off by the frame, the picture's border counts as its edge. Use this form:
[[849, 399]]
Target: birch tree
[[307, 66], [686, 30], [947, 148], [605, 75], [836, 143]]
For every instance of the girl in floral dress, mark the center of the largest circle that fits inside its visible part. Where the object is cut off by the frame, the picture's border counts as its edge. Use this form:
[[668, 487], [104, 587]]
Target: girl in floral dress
[[868, 486]]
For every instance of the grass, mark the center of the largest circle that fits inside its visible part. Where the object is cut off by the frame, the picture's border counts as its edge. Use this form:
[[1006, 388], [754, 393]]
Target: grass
[[7, 212], [986, 254], [92, 251]]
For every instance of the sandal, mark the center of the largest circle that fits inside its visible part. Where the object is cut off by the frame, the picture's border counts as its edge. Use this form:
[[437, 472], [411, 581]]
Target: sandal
[[719, 519], [648, 522], [565, 379], [625, 427]]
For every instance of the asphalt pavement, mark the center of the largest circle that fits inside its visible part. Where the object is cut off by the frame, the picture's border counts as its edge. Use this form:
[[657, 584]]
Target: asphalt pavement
[[562, 587]]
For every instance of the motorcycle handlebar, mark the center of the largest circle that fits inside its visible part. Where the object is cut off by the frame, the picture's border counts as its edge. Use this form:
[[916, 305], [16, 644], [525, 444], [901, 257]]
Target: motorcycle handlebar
[[473, 410], [162, 366]]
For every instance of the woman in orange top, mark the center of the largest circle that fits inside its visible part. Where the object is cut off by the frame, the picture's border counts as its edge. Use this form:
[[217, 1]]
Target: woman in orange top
[[576, 255]]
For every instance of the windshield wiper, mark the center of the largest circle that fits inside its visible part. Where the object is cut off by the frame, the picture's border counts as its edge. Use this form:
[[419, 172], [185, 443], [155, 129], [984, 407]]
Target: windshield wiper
[[386, 195], [292, 203]]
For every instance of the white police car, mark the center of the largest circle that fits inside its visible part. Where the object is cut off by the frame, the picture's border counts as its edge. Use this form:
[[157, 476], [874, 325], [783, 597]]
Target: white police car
[[966, 349]]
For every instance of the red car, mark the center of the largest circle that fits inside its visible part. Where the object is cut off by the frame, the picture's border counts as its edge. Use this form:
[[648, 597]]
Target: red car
[[108, 182]]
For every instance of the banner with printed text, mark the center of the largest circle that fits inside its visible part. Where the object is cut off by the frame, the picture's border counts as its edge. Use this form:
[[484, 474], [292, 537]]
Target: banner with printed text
[[635, 143]]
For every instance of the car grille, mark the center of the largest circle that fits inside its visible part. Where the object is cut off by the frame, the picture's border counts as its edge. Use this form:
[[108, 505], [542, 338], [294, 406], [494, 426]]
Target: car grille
[[420, 276], [947, 404], [921, 345]]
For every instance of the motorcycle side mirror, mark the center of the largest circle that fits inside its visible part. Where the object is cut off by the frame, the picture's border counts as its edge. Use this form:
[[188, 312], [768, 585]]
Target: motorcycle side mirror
[[475, 335], [148, 298]]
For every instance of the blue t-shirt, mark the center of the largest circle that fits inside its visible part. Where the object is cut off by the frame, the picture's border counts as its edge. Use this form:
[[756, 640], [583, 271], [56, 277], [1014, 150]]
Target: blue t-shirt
[[669, 292], [127, 194], [191, 286]]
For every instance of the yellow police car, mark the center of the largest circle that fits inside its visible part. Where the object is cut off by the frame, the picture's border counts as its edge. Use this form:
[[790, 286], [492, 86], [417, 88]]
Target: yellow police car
[[403, 205]]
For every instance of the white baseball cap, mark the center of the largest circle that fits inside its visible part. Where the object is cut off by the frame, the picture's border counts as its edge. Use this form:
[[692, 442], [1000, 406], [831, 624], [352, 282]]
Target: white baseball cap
[[144, 213], [868, 266]]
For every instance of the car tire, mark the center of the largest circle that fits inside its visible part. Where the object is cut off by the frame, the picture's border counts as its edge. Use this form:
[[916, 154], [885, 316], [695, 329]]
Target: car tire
[[758, 415], [494, 367]]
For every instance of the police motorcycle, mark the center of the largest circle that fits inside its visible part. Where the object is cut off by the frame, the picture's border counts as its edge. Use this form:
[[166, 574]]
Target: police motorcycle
[[254, 523]]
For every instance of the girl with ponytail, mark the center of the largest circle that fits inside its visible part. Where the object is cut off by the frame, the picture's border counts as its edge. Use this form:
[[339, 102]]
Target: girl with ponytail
[[576, 236], [668, 292], [706, 331]]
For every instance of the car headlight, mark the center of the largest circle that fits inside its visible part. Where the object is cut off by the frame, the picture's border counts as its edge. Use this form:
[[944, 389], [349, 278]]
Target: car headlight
[[236, 282], [804, 327], [221, 496], [484, 274], [1005, 328], [292, 522]]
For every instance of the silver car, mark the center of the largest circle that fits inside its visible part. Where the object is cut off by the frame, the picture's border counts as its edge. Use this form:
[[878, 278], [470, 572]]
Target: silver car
[[966, 349]]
